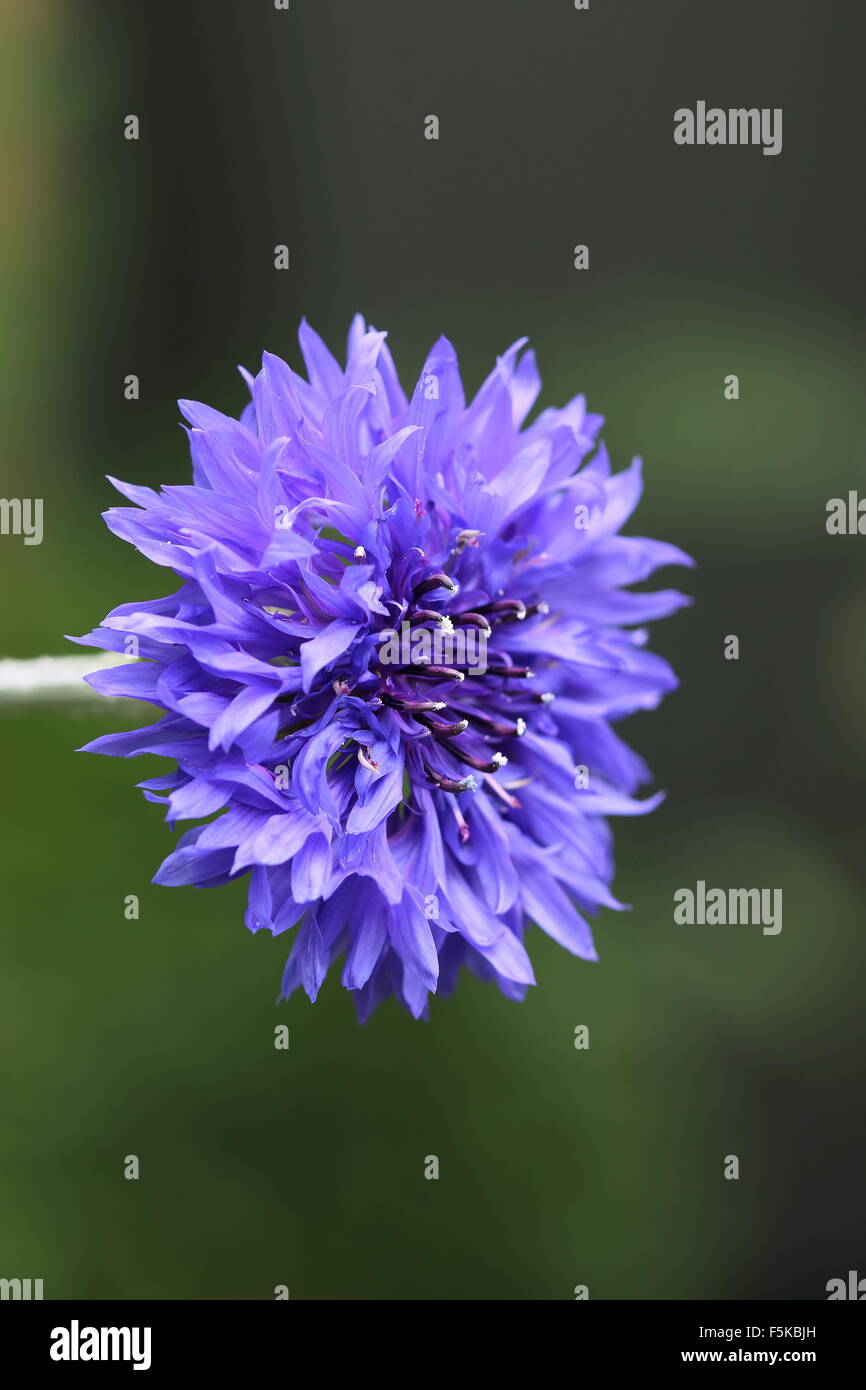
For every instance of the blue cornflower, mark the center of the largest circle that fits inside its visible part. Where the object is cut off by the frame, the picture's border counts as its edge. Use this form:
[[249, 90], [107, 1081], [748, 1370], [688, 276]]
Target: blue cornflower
[[401, 637]]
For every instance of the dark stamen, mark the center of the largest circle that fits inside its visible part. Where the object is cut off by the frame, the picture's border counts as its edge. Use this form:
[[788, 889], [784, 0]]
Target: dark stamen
[[495, 726], [498, 760], [408, 703], [434, 581], [448, 784], [504, 606], [471, 620], [427, 615], [442, 730], [435, 673]]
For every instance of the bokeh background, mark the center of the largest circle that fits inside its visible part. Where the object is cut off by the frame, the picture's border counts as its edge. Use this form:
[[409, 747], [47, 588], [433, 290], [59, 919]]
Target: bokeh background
[[155, 1037]]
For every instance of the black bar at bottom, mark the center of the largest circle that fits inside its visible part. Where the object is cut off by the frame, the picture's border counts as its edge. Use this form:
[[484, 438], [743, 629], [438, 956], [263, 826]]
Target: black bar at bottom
[[71, 1338]]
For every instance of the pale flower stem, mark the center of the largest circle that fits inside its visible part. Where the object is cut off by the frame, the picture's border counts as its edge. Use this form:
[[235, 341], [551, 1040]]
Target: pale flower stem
[[52, 677]]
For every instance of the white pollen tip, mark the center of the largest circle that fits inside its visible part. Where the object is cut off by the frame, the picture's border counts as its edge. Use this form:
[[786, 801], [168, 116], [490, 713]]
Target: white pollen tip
[[445, 623], [548, 697], [460, 676], [438, 704], [360, 553], [520, 614], [500, 760], [468, 784], [521, 727], [543, 608]]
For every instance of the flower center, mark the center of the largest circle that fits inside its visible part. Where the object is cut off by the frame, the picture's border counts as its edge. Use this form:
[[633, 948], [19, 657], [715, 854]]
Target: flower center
[[449, 680]]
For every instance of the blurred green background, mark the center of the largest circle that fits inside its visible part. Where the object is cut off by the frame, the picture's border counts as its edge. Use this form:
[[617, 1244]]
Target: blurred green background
[[155, 1037]]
